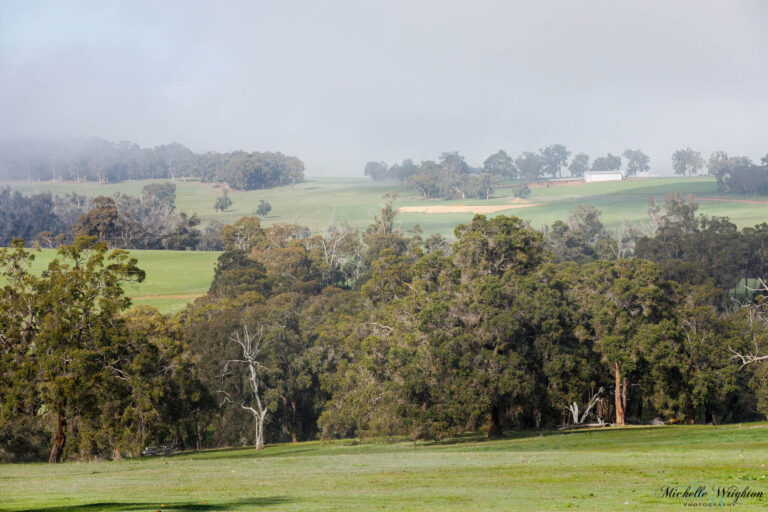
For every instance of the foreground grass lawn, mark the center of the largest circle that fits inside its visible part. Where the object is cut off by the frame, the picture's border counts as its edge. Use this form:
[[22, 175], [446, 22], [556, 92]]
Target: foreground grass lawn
[[608, 469]]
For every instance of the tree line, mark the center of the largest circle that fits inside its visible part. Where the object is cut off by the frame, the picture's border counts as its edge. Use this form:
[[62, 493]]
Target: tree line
[[451, 177], [388, 333], [101, 161], [149, 221]]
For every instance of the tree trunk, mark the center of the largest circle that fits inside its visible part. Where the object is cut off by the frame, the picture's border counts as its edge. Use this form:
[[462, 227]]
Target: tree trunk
[[689, 411], [260, 430], [294, 438], [59, 440], [621, 396], [115, 442], [179, 438], [494, 428]]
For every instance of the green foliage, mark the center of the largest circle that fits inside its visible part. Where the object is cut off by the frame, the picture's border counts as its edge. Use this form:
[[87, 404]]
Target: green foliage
[[529, 165], [500, 164], [693, 249], [101, 161], [521, 191], [637, 161], [386, 332], [608, 162], [68, 347], [554, 158], [687, 162], [223, 202], [579, 165], [263, 209]]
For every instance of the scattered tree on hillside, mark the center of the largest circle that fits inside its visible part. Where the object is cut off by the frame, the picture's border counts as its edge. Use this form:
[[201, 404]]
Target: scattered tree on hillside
[[501, 165], [608, 162], [579, 165], [554, 158], [376, 170], [687, 162], [222, 202], [529, 165], [637, 161], [263, 209]]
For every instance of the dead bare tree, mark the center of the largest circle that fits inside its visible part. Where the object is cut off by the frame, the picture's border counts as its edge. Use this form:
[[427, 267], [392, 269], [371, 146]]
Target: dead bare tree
[[757, 317], [573, 408], [252, 346]]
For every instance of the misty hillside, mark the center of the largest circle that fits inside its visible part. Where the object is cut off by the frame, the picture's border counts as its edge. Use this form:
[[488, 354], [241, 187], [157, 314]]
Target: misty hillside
[[97, 160]]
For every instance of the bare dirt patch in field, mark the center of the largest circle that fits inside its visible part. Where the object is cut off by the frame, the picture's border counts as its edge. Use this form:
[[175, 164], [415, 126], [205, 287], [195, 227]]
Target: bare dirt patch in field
[[182, 296], [464, 208]]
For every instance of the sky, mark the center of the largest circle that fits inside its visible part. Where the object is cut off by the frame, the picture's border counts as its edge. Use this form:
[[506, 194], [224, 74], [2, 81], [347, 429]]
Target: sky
[[340, 83]]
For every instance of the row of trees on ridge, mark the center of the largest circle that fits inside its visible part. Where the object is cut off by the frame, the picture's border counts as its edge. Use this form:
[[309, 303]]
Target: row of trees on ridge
[[98, 160]]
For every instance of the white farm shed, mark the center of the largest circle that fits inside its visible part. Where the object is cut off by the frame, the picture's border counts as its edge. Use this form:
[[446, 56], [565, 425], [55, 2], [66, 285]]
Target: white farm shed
[[594, 176]]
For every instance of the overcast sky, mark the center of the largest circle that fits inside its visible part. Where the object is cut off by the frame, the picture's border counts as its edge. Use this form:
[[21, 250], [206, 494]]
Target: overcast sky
[[338, 83]]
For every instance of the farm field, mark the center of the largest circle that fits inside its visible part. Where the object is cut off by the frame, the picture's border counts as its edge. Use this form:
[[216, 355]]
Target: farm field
[[600, 470], [174, 278], [318, 202]]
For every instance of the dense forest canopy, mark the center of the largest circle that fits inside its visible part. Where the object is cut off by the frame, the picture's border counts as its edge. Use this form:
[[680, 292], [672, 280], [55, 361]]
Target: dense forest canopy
[[94, 159], [382, 332]]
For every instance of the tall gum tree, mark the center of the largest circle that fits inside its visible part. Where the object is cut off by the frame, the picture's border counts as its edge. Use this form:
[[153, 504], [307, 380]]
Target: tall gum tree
[[63, 328], [623, 302]]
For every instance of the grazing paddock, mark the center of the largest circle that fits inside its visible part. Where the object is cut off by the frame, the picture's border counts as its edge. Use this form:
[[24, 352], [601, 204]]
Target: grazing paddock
[[173, 278], [600, 470], [318, 202]]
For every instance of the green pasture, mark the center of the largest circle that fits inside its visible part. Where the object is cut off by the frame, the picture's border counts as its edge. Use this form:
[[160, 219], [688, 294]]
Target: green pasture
[[599, 470], [314, 203], [318, 202], [173, 278]]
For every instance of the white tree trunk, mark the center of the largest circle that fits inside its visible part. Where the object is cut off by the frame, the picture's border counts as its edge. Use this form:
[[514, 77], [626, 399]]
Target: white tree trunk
[[252, 346]]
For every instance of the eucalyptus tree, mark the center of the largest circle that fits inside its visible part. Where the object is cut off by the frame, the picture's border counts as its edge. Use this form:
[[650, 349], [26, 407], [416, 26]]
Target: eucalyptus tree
[[62, 338], [637, 161], [554, 158], [687, 162], [608, 162], [579, 165], [627, 308], [500, 164]]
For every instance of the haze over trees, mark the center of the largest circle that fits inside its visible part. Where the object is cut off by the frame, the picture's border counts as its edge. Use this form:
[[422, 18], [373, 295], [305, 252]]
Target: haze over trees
[[608, 162], [637, 162], [687, 162], [579, 165], [451, 177], [222, 202], [738, 174], [98, 160]]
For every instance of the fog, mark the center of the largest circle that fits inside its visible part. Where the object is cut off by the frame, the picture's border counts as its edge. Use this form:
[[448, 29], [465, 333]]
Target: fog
[[340, 83]]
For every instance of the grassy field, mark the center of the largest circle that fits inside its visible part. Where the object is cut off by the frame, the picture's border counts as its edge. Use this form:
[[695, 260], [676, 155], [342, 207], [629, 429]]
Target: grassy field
[[600, 470], [318, 202], [174, 278]]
